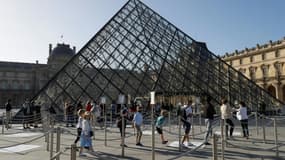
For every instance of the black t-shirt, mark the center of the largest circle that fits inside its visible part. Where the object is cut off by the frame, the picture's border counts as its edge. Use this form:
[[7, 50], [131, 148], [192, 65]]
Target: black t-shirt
[[8, 107], [210, 111], [70, 109]]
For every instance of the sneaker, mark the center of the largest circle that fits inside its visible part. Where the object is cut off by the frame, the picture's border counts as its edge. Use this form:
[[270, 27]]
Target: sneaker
[[124, 145], [164, 142], [190, 144], [207, 143], [139, 144], [82, 155]]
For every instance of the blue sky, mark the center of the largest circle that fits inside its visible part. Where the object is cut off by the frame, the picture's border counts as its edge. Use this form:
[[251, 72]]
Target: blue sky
[[28, 26]]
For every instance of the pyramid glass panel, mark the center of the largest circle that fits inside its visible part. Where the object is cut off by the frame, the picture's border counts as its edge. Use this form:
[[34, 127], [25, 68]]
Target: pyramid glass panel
[[139, 51]]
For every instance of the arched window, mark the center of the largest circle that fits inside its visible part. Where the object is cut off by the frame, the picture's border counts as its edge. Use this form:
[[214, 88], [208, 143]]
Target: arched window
[[271, 89]]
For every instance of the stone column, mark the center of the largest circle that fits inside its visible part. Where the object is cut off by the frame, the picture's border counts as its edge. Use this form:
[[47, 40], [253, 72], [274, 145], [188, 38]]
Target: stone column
[[279, 91]]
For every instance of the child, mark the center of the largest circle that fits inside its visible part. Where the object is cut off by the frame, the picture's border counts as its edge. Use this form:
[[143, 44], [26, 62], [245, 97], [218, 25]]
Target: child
[[138, 121], [159, 124], [79, 124], [86, 134]]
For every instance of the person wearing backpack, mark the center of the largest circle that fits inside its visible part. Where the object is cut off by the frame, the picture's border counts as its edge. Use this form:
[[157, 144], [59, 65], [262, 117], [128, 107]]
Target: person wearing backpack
[[208, 113], [186, 119]]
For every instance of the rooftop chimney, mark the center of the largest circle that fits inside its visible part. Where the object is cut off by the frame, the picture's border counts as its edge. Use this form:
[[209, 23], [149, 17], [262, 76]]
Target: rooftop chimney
[[50, 48], [74, 49]]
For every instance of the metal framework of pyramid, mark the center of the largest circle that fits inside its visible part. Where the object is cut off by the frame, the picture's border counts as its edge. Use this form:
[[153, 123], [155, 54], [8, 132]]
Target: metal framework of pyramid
[[139, 51]]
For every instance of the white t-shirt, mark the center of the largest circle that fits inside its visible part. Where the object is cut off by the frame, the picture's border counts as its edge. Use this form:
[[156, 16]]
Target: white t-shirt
[[86, 128], [79, 123]]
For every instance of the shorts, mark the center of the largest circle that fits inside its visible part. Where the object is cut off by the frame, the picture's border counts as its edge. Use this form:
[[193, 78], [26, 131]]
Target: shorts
[[187, 127], [138, 128], [159, 130]]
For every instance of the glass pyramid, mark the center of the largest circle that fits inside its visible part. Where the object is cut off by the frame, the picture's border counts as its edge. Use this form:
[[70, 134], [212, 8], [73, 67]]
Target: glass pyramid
[[139, 51]]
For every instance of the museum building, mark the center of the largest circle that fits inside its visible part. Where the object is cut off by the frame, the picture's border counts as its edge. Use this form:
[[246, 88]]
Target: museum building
[[263, 64], [20, 81]]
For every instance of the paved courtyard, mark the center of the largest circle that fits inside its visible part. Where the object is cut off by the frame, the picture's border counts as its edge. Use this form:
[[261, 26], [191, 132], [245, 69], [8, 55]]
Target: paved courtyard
[[19, 144]]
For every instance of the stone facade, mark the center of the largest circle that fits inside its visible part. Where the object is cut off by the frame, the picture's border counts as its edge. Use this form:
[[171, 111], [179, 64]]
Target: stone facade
[[264, 64], [20, 81]]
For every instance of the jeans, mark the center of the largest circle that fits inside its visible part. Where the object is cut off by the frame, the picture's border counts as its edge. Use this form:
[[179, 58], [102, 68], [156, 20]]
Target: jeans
[[244, 125], [230, 123], [209, 127]]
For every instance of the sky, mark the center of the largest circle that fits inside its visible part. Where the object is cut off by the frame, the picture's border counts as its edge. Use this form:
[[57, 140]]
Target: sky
[[27, 27]]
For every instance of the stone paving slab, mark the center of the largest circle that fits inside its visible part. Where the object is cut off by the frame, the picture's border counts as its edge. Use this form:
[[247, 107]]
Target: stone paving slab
[[239, 148]]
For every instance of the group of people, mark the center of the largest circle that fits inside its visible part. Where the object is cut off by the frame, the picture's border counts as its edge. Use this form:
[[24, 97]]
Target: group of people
[[84, 127], [31, 114], [207, 112]]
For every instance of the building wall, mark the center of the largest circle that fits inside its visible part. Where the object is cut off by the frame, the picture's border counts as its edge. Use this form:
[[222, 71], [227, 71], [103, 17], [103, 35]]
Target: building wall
[[19, 81], [264, 64]]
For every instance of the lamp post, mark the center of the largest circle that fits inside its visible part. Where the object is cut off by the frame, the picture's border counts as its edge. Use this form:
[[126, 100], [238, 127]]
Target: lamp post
[[152, 103], [103, 102], [121, 101]]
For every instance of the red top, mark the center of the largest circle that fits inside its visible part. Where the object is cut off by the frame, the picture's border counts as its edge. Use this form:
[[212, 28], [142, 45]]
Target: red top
[[88, 107]]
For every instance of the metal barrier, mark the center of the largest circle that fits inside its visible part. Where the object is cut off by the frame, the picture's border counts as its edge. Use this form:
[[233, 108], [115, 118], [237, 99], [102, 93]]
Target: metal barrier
[[73, 152], [123, 136], [3, 123], [276, 138], [215, 148], [222, 140]]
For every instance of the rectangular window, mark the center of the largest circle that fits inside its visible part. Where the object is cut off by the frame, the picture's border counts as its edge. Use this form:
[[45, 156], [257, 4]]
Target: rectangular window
[[240, 61], [277, 53], [263, 56], [252, 59]]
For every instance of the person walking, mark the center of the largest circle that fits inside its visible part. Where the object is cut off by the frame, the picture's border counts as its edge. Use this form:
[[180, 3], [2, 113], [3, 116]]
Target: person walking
[[226, 116], [26, 112], [138, 121], [243, 118], [121, 126], [86, 134], [69, 114], [186, 119], [8, 108], [209, 112], [159, 125]]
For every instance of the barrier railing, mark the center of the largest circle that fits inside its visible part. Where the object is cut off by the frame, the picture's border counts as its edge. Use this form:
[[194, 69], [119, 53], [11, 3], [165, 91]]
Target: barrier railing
[[174, 124]]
